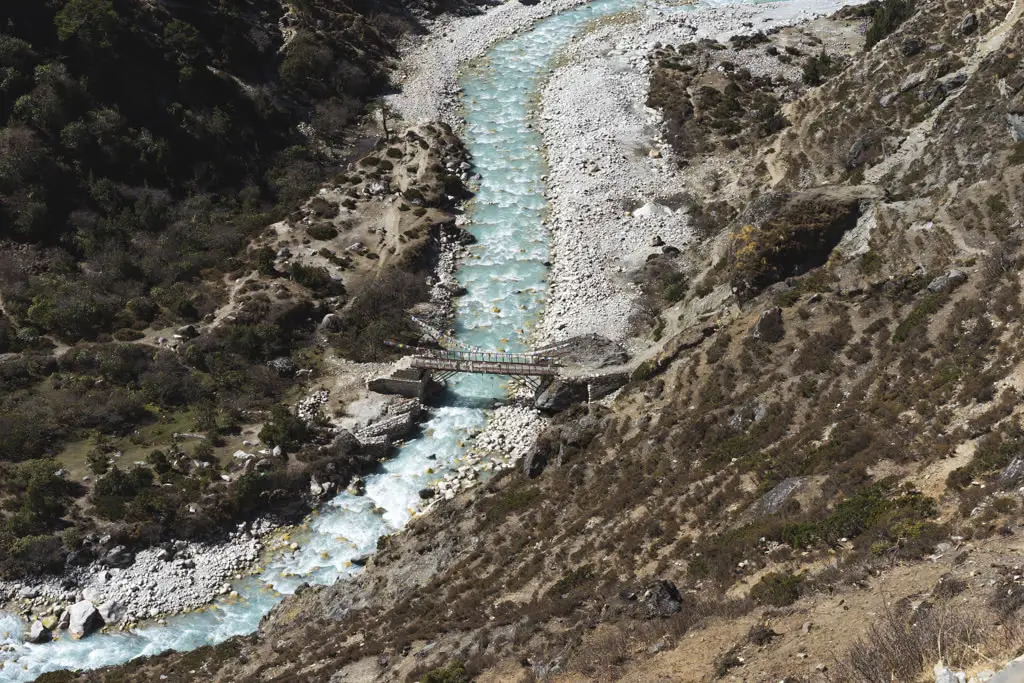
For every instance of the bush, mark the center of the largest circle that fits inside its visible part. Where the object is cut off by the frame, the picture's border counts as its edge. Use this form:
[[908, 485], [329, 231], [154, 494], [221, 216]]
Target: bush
[[777, 590], [454, 672], [284, 429], [817, 69], [322, 232], [902, 642], [887, 19], [317, 280], [117, 489]]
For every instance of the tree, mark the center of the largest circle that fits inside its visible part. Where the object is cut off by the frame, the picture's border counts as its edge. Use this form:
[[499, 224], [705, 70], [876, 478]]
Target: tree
[[94, 23], [887, 19], [283, 429], [45, 495], [99, 462]]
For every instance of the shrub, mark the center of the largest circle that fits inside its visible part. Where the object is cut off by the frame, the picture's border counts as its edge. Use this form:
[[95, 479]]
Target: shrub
[[322, 232], [777, 590], [902, 642], [284, 429], [317, 280], [887, 19], [454, 672], [817, 69], [918, 317]]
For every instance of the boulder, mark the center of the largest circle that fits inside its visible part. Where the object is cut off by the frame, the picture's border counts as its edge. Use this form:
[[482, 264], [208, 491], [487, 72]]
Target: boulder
[[345, 443], [37, 633], [947, 282], [1015, 124], [772, 502], [84, 618], [284, 366], [331, 323], [768, 327], [787, 234], [119, 556], [661, 599], [28, 593], [912, 46], [188, 332], [652, 210], [560, 394], [357, 487], [112, 611], [588, 350], [1014, 472], [427, 493], [1013, 673], [969, 24], [319, 490], [945, 675]]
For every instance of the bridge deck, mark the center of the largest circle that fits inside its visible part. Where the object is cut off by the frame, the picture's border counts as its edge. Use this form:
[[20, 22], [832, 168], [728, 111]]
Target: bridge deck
[[514, 369]]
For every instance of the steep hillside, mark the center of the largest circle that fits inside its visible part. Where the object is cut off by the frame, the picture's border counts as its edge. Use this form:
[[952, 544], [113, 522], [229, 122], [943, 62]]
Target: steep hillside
[[144, 148], [818, 476]]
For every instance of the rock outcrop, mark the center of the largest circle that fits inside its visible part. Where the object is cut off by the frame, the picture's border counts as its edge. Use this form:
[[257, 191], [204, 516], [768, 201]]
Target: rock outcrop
[[787, 234]]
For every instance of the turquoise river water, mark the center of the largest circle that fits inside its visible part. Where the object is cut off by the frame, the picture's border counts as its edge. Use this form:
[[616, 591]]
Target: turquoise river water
[[505, 278]]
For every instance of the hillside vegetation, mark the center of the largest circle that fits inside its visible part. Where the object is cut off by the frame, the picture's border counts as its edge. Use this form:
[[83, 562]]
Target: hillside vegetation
[[821, 480], [143, 147]]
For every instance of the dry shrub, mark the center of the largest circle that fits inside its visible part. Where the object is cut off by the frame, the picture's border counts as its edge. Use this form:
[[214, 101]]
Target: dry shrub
[[602, 653], [903, 643]]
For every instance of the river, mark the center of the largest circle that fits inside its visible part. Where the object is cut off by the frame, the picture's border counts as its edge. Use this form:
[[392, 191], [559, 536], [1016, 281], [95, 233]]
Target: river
[[505, 278]]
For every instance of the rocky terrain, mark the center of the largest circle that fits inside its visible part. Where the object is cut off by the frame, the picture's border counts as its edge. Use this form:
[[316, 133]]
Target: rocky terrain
[[815, 470]]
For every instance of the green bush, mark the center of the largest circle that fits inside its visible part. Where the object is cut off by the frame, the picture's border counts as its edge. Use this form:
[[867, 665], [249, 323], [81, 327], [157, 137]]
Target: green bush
[[887, 19], [317, 280], [322, 232], [817, 69], [454, 672], [284, 429], [776, 589]]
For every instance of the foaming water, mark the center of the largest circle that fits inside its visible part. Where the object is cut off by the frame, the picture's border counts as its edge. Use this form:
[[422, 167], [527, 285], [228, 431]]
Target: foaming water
[[505, 278]]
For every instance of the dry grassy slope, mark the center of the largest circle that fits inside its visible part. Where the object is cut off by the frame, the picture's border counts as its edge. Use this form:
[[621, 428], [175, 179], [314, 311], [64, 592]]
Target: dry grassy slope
[[895, 407]]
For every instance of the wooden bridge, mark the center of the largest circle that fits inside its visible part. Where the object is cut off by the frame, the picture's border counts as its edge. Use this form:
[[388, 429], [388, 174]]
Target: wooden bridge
[[443, 364]]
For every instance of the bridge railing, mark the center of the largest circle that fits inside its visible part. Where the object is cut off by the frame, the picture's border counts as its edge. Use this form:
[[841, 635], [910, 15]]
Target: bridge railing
[[479, 356], [485, 367]]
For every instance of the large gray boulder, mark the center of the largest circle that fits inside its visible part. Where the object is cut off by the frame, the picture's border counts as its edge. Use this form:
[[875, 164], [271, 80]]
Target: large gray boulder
[[1013, 673], [112, 611], [947, 282], [772, 502], [37, 633], [84, 619], [561, 393], [661, 599], [119, 556], [768, 327], [1014, 472], [331, 323]]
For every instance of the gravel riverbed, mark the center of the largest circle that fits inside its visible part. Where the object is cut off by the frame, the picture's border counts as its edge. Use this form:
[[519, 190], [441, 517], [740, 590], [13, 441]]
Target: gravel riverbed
[[609, 173], [159, 581]]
